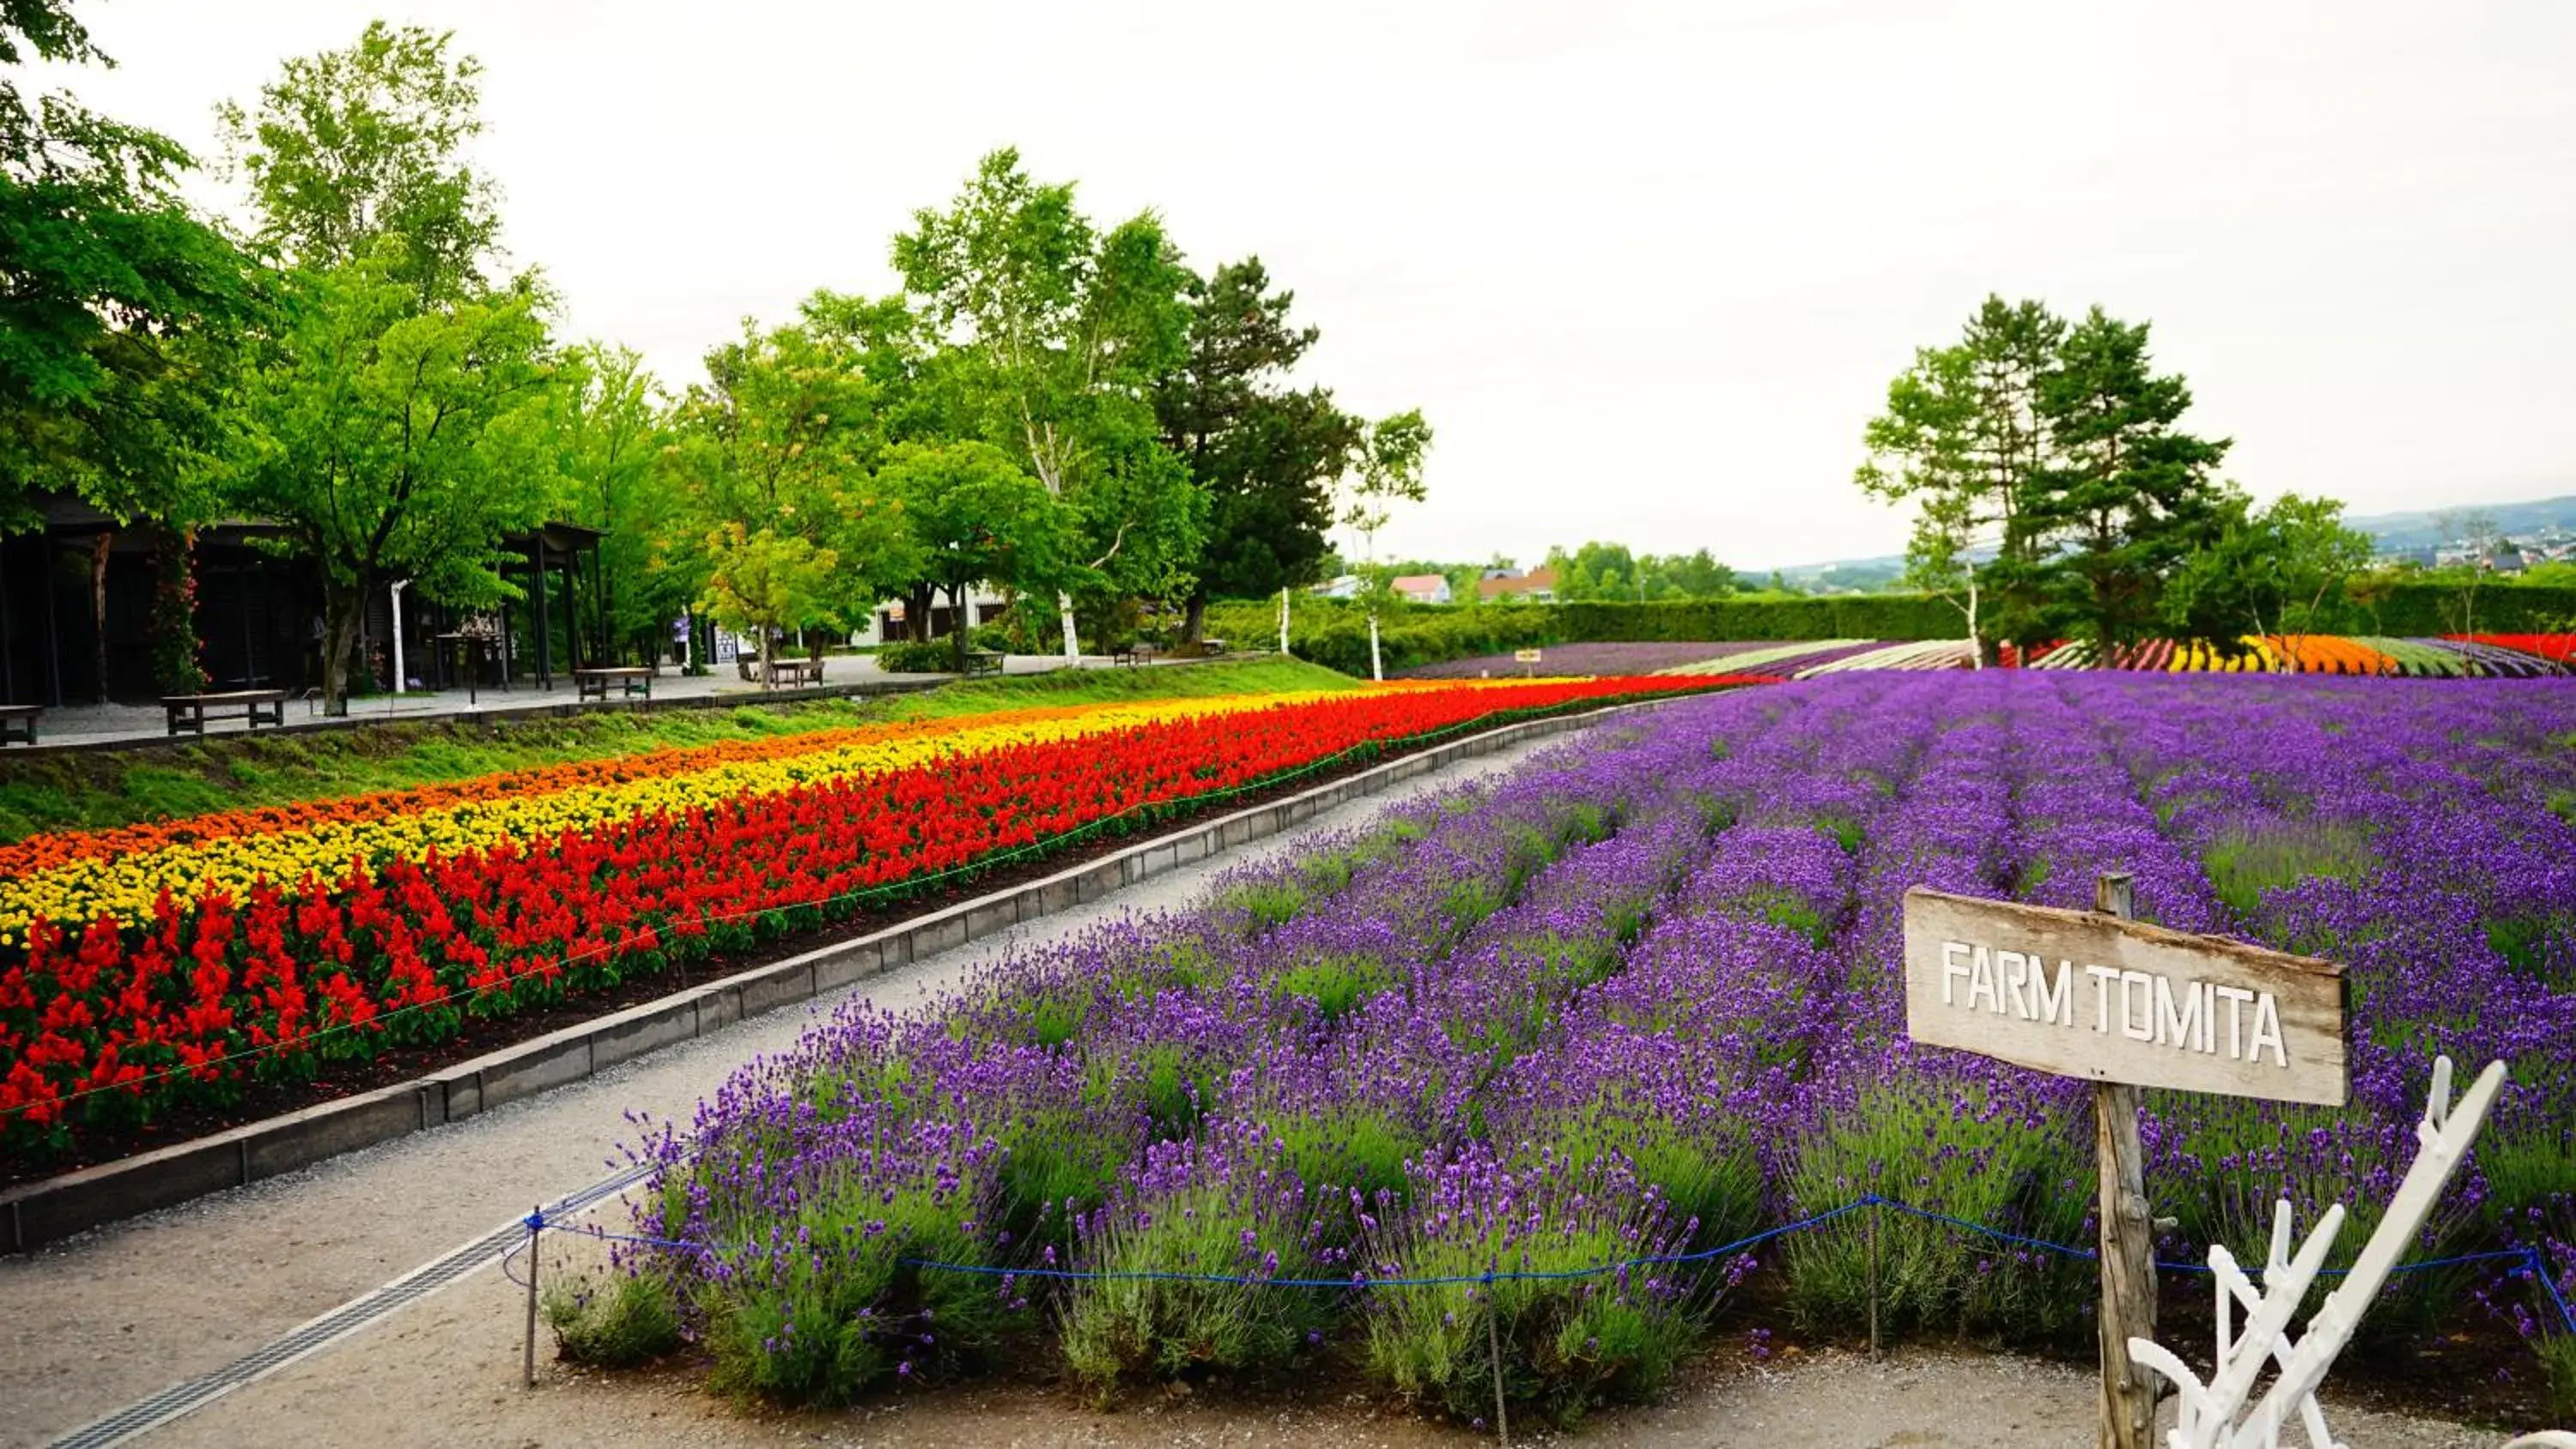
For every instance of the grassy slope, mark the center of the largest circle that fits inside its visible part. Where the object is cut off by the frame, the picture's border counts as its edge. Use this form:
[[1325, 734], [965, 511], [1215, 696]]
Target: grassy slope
[[53, 792]]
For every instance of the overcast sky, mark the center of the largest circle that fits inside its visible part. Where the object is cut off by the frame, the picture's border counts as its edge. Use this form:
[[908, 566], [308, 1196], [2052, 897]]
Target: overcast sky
[[1647, 268]]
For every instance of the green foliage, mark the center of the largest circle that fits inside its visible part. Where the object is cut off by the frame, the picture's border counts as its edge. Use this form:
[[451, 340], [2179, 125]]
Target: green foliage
[[1054, 333], [2280, 570], [115, 300], [607, 427], [633, 1319], [772, 458], [357, 153], [1265, 454], [934, 657], [1608, 571], [338, 405], [2244, 866], [976, 518], [1971, 1159], [1117, 1328], [2054, 491]]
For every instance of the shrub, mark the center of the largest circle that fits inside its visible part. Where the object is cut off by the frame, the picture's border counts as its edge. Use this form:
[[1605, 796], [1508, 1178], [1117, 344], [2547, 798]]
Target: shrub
[[1225, 1216], [634, 1319], [936, 657], [1565, 1344]]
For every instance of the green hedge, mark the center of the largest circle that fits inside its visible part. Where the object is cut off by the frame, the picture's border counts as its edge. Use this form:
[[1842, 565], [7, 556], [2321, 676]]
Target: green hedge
[[2416, 610], [1335, 632]]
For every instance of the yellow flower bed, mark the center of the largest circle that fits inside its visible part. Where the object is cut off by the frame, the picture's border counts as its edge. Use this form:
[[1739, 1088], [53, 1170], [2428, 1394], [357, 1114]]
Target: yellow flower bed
[[127, 885]]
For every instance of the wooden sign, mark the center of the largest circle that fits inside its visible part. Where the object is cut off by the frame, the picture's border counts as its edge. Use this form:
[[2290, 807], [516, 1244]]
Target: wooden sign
[[1525, 656], [2086, 994]]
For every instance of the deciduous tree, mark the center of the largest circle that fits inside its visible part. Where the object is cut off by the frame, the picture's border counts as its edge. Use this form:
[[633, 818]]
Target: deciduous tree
[[977, 517], [1060, 333]]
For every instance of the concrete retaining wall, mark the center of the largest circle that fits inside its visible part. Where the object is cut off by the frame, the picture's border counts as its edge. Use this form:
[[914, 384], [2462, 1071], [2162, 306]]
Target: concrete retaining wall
[[47, 1211]]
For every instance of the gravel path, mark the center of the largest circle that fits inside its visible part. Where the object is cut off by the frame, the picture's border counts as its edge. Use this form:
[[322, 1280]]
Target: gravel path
[[97, 1322], [447, 1374]]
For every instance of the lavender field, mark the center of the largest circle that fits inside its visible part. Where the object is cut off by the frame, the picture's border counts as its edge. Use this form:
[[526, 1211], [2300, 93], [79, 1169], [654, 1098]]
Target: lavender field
[[1640, 1000]]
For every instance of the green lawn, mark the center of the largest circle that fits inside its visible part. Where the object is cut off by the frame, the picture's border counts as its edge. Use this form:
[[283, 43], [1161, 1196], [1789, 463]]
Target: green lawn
[[102, 788]]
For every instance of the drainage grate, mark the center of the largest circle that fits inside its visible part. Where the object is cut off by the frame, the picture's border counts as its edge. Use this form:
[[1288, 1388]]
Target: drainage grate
[[339, 1323]]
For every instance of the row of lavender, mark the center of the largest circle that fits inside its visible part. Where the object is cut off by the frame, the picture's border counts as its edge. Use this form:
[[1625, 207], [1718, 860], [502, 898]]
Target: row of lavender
[[1631, 1004]]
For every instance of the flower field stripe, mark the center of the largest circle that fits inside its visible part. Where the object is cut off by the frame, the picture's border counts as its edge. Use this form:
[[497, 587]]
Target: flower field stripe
[[121, 1013], [122, 872]]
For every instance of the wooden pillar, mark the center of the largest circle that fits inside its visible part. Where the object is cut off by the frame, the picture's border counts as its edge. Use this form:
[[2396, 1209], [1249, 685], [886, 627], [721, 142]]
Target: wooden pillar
[[53, 629], [2128, 1250], [544, 627], [8, 659]]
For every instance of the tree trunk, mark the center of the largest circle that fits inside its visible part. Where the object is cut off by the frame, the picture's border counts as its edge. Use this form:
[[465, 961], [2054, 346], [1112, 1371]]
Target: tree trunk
[[1377, 668], [1976, 643], [957, 623], [1064, 612], [98, 607], [344, 607], [1194, 617]]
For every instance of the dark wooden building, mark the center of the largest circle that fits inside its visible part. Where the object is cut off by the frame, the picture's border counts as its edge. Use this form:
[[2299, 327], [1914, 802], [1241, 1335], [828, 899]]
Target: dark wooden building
[[259, 612]]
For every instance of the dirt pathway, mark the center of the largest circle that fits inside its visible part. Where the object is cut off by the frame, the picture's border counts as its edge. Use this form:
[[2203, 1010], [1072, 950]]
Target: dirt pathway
[[97, 1322], [446, 1376]]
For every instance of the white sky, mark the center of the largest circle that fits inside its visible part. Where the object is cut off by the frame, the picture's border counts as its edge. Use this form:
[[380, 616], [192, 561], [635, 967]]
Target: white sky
[[1647, 268]]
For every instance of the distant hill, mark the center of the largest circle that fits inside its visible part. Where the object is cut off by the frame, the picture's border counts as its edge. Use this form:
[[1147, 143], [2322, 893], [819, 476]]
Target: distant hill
[[2394, 531], [2391, 532]]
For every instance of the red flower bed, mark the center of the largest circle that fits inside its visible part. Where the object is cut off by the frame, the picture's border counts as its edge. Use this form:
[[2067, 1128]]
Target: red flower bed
[[2558, 647], [110, 1020]]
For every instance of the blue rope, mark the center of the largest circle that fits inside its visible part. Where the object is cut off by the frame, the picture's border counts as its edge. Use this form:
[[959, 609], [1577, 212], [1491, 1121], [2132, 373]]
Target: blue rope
[[2549, 1285], [2529, 1257]]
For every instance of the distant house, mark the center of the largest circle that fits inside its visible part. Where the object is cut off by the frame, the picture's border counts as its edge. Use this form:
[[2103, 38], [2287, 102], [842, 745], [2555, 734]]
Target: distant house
[[1422, 588], [1537, 584]]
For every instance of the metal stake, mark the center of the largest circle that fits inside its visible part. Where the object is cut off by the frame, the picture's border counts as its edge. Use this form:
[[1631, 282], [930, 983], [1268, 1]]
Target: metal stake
[[536, 1220], [1494, 1342]]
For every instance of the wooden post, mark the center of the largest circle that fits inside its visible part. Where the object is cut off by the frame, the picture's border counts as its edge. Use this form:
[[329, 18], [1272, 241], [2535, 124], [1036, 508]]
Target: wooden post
[[2128, 1268], [535, 1217], [1494, 1345], [1874, 1349]]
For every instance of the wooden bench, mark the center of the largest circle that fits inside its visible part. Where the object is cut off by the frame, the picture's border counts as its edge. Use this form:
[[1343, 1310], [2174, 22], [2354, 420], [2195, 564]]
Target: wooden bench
[[794, 672], [188, 712], [1135, 654], [21, 720], [628, 678], [982, 661]]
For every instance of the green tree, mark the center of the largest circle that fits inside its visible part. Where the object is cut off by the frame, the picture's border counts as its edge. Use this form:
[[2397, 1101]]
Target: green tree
[[394, 442], [2282, 570], [976, 517], [117, 305], [779, 443], [766, 583], [607, 426], [1696, 575], [350, 149], [1388, 472], [1058, 334], [1264, 453], [2129, 494], [1963, 438]]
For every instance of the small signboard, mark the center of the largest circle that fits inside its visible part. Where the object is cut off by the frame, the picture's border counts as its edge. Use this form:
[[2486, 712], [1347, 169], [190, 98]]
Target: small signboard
[[2085, 994], [1525, 656]]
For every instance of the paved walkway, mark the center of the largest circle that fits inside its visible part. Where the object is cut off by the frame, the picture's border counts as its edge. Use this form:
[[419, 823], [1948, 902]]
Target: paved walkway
[[94, 724]]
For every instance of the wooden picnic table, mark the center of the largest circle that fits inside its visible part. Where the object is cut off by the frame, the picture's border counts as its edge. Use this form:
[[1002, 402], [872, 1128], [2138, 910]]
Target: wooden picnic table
[[188, 712], [19, 719], [595, 681]]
